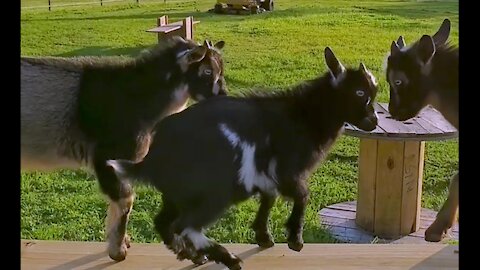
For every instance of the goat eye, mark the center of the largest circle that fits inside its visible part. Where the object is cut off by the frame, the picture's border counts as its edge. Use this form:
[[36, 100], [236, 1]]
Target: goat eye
[[360, 93], [207, 72], [397, 82]]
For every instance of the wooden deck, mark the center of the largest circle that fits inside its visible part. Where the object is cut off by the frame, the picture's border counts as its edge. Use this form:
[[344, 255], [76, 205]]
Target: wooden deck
[[428, 125], [339, 219], [56, 255]]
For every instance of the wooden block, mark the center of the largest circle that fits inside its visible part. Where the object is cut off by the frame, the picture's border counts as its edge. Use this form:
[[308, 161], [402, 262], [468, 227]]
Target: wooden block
[[366, 184], [162, 21], [389, 188], [412, 187], [186, 30]]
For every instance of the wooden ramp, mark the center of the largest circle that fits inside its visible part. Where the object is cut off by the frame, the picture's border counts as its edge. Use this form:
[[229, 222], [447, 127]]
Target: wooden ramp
[[56, 255]]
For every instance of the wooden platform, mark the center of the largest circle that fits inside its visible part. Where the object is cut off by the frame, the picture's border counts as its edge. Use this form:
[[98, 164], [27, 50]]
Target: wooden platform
[[428, 125], [56, 255], [339, 219]]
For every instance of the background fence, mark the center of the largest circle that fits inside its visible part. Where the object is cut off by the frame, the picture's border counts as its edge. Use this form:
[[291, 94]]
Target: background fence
[[51, 4]]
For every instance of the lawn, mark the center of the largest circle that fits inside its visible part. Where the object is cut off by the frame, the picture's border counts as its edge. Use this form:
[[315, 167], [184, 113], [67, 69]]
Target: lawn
[[273, 50]]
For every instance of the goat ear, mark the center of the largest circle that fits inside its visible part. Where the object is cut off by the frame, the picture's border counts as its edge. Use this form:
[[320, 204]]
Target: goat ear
[[219, 45], [367, 74], [196, 55], [401, 42], [207, 44], [335, 67], [394, 49], [441, 36], [363, 68], [426, 49]]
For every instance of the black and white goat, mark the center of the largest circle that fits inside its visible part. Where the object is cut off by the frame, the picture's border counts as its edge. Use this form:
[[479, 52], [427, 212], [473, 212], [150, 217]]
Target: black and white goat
[[83, 111], [426, 73], [221, 151]]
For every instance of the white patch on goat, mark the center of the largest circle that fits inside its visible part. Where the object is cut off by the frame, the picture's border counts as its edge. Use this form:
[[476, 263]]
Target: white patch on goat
[[179, 100], [182, 60], [182, 53], [272, 171], [168, 76], [116, 210], [119, 171], [231, 136], [216, 87], [248, 174], [405, 48], [198, 239]]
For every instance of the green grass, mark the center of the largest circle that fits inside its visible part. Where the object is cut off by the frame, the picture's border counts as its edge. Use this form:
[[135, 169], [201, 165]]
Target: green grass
[[272, 50]]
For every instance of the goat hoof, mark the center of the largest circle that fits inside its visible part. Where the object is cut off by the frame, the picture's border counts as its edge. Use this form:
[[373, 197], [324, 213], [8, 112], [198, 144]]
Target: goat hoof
[[200, 259], [118, 255], [178, 244], [436, 232], [265, 241], [297, 246], [432, 236], [127, 240], [182, 255], [266, 244], [235, 263]]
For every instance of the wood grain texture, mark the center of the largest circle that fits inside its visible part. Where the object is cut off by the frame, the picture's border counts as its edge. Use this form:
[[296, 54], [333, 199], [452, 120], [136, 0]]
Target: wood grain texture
[[57, 255], [388, 195]]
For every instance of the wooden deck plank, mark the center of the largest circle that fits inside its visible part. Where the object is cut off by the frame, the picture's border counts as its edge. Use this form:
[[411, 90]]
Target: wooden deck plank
[[57, 255], [410, 124], [391, 125], [436, 119], [339, 220]]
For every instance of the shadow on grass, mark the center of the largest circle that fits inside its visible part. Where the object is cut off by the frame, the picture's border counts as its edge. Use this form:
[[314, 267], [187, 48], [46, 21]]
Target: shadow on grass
[[105, 51]]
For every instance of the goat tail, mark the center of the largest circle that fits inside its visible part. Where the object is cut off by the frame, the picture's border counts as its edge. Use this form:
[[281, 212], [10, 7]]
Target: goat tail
[[125, 169]]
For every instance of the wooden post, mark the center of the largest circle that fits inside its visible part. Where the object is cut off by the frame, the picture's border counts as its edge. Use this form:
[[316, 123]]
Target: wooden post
[[162, 21], [101, 2], [390, 187], [49, 7], [187, 27]]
